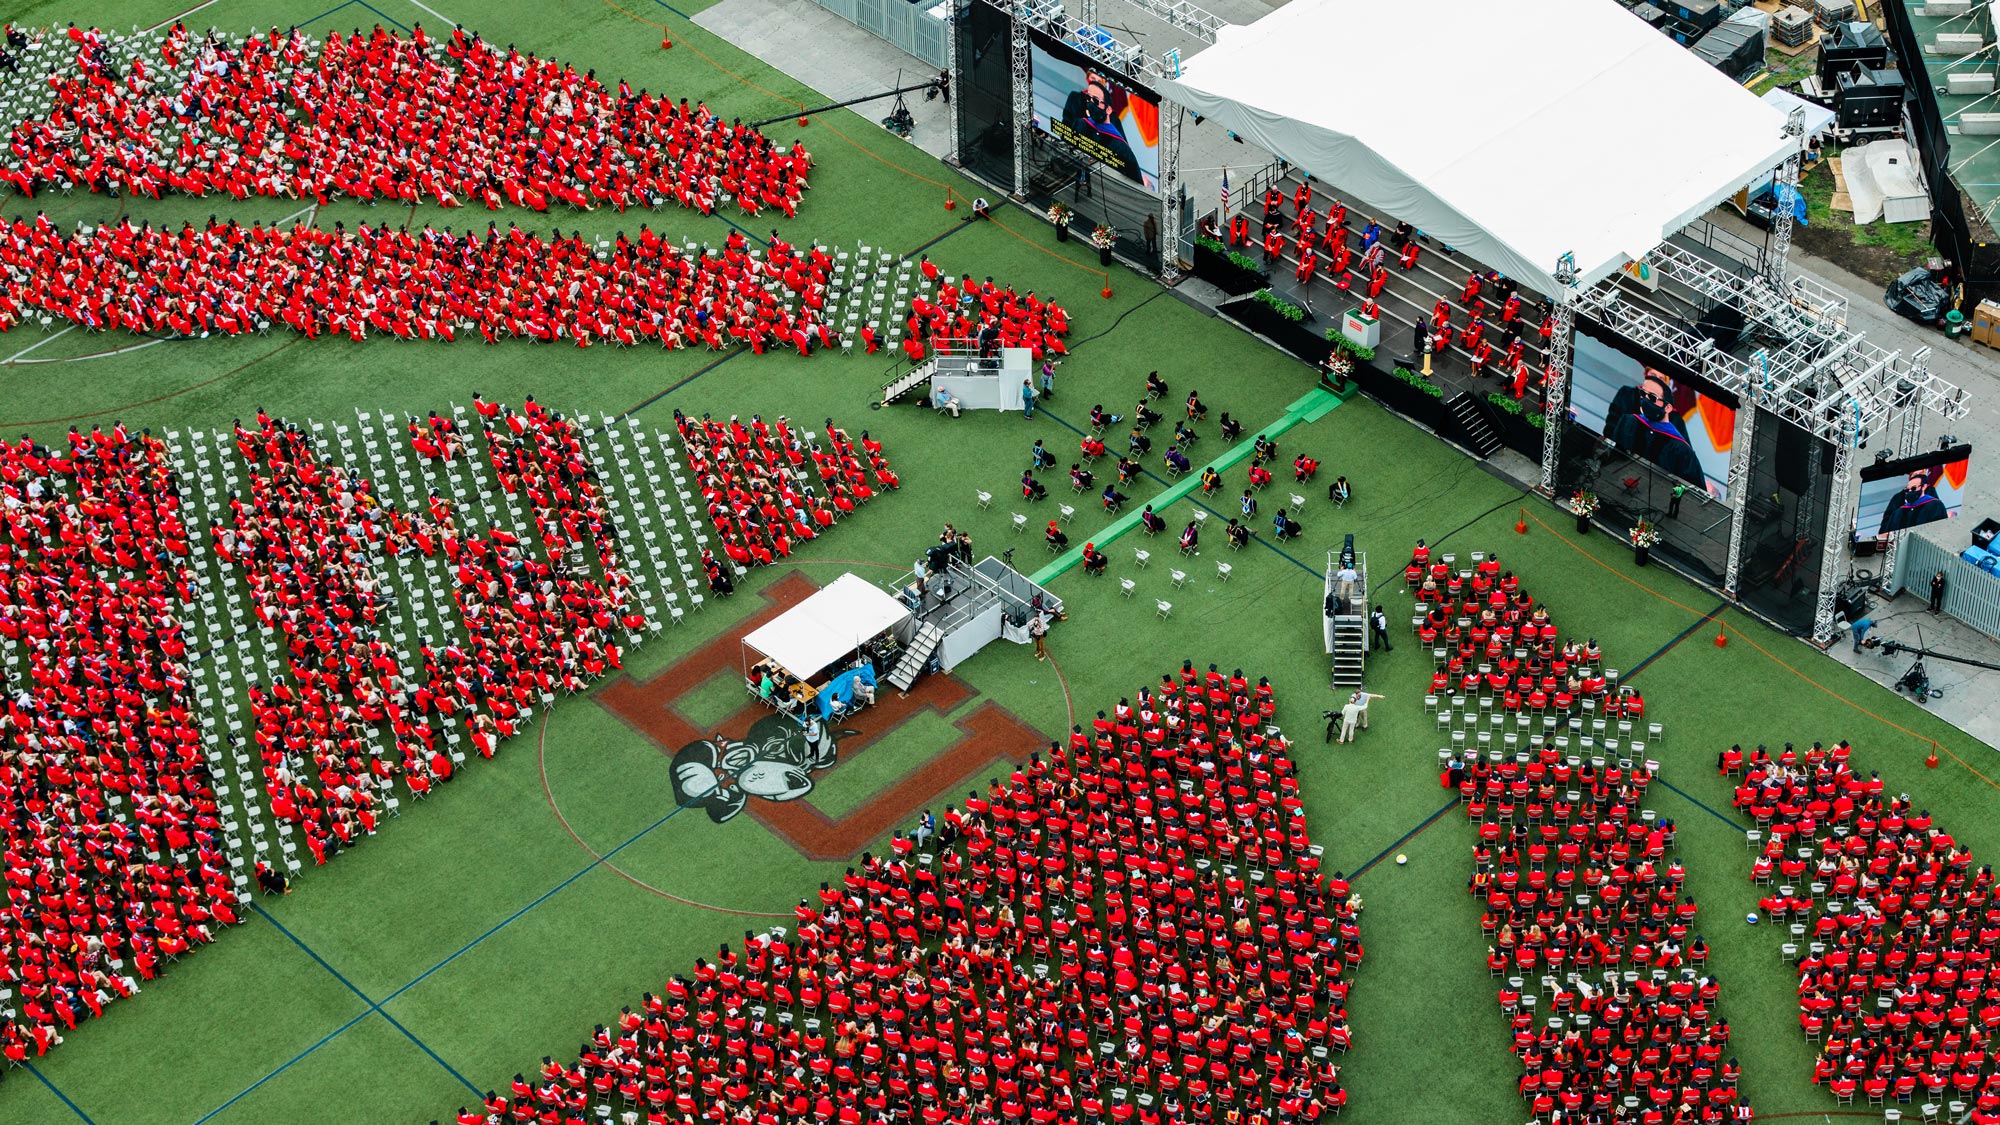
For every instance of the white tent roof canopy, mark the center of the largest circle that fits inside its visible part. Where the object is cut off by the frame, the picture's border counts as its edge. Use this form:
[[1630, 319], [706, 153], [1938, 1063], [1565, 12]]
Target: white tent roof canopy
[[1521, 134], [841, 617], [1818, 118]]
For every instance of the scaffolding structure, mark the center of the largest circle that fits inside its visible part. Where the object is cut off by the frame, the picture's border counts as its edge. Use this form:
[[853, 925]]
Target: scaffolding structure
[[1128, 59], [1814, 373]]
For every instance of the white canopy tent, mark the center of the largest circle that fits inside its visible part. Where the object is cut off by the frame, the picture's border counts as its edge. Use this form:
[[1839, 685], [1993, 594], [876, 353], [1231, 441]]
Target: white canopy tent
[[1515, 133], [841, 617], [1818, 118]]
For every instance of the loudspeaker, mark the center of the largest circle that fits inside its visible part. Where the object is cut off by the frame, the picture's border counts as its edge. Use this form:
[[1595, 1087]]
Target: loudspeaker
[[1798, 455], [1722, 324]]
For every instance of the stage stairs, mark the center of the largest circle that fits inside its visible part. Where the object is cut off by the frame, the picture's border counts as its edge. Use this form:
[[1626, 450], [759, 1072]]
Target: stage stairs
[[1474, 431], [1346, 629], [1350, 649], [917, 657], [909, 380]]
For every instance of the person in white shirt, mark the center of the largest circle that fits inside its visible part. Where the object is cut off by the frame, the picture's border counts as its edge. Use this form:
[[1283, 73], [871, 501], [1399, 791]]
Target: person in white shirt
[[1355, 714]]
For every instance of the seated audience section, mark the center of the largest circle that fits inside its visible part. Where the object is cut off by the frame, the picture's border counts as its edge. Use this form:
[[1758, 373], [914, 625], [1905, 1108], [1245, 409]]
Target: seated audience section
[[537, 613], [116, 857], [383, 118], [427, 284], [771, 486], [304, 539], [229, 279], [1892, 925], [1603, 970], [1134, 927]]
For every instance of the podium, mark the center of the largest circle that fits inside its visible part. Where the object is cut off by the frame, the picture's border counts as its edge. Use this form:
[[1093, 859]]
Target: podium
[[1363, 330]]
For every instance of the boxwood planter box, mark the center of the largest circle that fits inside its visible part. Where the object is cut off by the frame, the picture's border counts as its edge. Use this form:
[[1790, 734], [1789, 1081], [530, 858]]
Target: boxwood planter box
[[1218, 270], [1515, 431], [1295, 336], [1401, 397]]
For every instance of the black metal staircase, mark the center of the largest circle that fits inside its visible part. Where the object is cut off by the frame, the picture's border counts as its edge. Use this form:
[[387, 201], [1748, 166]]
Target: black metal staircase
[[1475, 432]]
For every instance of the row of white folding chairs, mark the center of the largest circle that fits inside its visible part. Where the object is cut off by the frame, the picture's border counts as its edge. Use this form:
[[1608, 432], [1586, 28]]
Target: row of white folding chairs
[[1514, 741], [639, 516], [238, 789], [234, 653]]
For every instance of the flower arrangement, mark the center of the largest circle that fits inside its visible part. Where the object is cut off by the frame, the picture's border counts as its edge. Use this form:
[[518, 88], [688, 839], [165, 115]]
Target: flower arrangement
[[1059, 214], [1103, 237], [1584, 503], [1339, 365], [1643, 534], [1339, 340]]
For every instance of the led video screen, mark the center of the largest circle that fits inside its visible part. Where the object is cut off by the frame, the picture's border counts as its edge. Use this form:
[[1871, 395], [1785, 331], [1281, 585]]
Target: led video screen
[[1654, 410], [1085, 105], [1899, 495]]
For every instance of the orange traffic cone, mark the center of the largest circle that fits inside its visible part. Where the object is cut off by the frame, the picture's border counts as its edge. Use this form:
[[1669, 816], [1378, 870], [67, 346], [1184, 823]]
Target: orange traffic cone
[[1107, 292], [1721, 639], [1932, 761], [666, 44], [1521, 525], [950, 204]]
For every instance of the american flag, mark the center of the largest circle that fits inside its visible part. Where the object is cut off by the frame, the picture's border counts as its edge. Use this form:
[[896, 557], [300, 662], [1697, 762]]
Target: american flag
[[1225, 192]]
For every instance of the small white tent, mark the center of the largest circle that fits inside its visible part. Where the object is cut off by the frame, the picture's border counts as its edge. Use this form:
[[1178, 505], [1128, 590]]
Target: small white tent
[[841, 617], [1516, 133]]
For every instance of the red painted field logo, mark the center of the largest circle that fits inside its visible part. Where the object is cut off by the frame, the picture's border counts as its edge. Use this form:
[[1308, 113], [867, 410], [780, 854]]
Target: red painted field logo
[[722, 771]]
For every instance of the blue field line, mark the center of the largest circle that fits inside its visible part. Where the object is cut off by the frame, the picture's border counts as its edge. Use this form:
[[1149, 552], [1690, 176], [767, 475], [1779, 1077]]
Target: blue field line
[[743, 230], [1400, 840], [1697, 803], [509, 920], [684, 382], [1684, 634], [384, 15], [674, 10], [252, 1087], [373, 1006], [73, 1107], [1150, 475], [328, 12], [963, 224]]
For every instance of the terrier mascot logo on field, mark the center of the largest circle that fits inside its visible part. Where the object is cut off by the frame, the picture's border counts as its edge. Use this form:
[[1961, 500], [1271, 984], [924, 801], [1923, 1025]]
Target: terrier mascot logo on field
[[775, 761]]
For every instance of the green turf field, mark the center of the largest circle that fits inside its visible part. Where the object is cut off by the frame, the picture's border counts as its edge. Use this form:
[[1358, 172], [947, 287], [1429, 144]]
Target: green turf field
[[534, 895]]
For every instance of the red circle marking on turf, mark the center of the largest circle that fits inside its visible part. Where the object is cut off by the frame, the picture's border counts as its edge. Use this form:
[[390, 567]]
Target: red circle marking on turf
[[541, 763]]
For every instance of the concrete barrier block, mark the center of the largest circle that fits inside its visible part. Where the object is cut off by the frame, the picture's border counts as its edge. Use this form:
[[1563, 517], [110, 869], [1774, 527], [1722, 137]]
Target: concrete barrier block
[[1956, 44], [1979, 124], [1970, 82]]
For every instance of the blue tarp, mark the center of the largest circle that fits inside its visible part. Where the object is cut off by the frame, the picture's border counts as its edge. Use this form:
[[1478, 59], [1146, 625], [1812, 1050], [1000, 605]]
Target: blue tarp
[[842, 688]]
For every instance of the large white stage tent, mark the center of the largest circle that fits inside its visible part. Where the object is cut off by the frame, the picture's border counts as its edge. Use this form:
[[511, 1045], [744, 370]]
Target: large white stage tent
[[1516, 133]]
